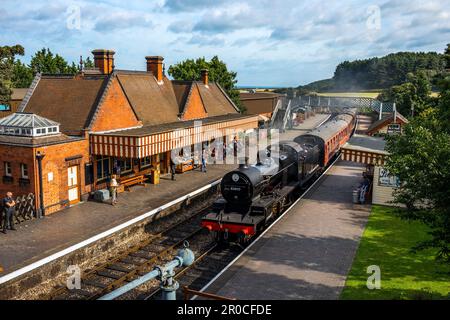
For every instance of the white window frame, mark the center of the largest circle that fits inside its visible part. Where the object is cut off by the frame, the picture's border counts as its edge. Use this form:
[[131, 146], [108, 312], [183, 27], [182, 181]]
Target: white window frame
[[23, 168], [8, 167]]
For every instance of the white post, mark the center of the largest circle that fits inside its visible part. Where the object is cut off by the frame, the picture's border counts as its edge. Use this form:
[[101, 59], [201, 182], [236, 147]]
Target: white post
[[381, 110], [395, 113]]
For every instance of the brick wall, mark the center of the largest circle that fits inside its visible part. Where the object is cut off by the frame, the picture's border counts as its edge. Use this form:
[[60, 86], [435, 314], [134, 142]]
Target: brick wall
[[16, 156], [54, 162], [194, 108], [115, 111]]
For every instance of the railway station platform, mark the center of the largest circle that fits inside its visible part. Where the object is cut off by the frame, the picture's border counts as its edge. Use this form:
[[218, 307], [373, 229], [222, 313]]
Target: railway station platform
[[39, 238], [309, 251]]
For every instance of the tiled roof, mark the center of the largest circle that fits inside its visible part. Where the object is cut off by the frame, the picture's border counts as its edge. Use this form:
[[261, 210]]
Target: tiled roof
[[258, 95], [153, 103], [215, 101], [73, 101], [18, 93], [36, 141], [67, 100], [387, 120], [366, 143]]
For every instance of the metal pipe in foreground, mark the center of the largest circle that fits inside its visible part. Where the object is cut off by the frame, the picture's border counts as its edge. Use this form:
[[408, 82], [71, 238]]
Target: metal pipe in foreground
[[185, 257]]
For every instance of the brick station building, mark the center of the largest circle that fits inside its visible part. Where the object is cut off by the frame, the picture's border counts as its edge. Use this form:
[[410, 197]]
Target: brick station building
[[74, 130]]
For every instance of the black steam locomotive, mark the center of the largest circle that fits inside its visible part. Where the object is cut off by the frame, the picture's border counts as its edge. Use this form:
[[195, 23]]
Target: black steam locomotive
[[254, 195]]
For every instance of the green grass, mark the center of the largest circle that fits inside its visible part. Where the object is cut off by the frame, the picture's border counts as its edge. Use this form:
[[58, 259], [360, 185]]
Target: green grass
[[386, 242]]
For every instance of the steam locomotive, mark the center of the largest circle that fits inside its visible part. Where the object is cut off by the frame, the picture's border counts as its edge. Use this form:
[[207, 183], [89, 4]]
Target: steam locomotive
[[254, 195]]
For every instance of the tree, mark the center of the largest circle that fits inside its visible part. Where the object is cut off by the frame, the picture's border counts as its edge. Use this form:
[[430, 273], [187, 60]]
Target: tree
[[22, 75], [447, 55], [386, 71], [7, 58], [44, 61], [420, 158], [412, 95], [88, 63], [190, 70]]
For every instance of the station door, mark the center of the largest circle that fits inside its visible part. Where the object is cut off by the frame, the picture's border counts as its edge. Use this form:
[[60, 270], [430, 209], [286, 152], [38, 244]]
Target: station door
[[73, 184]]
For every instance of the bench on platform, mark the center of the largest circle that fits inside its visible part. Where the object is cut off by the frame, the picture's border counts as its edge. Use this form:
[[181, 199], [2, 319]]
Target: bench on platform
[[128, 182]]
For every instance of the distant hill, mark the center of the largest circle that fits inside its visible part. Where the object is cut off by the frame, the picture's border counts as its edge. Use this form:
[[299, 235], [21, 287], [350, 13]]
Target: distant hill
[[379, 73]]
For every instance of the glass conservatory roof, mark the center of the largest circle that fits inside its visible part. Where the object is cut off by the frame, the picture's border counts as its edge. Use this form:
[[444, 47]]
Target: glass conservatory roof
[[27, 124], [27, 120]]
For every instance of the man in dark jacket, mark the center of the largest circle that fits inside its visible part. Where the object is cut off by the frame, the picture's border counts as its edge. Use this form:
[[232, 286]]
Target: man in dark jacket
[[173, 167], [8, 208]]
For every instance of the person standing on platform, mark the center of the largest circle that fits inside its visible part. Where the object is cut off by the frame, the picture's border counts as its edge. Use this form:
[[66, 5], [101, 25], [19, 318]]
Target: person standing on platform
[[114, 185], [235, 146], [173, 168], [204, 155], [8, 208]]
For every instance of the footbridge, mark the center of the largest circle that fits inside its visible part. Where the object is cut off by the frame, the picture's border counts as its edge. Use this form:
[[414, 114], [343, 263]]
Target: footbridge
[[283, 113]]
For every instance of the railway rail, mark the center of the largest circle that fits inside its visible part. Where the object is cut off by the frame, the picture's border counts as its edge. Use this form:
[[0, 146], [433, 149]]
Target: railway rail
[[211, 263], [211, 260], [133, 262], [208, 266]]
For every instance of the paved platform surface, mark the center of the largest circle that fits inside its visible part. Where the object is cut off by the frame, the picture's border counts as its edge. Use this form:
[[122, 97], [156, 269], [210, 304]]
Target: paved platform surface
[[307, 254], [39, 238]]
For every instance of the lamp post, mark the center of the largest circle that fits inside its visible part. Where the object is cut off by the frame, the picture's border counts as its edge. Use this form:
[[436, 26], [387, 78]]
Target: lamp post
[[41, 211]]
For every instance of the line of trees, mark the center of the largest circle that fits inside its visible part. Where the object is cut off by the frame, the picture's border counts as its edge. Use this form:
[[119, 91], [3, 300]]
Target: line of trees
[[190, 70], [387, 71], [16, 74], [384, 72]]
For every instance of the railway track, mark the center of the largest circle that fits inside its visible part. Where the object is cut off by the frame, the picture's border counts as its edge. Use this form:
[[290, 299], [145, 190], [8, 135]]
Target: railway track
[[205, 267], [212, 262], [157, 250], [134, 262]]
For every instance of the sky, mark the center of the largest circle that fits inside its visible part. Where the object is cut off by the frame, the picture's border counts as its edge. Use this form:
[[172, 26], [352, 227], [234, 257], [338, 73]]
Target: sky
[[267, 42]]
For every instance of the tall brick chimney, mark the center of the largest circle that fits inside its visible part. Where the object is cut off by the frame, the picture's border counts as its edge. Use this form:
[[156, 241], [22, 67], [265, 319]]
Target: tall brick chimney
[[104, 60], [155, 66], [204, 73]]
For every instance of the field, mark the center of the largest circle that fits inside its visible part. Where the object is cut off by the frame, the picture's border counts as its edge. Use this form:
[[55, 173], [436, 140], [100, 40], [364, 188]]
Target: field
[[363, 94], [386, 242]]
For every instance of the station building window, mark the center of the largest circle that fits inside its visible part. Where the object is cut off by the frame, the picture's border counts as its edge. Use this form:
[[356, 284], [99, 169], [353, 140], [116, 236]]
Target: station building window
[[125, 165], [8, 170], [24, 170], [103, 167], [146, 162]]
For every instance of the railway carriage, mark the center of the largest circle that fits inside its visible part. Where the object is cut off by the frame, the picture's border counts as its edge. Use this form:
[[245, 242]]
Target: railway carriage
[[254, 195]]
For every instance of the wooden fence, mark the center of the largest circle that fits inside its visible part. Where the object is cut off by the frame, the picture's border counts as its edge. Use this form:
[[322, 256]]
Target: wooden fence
[[24, 210]]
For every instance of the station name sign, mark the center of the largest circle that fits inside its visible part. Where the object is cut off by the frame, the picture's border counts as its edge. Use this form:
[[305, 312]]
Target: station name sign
[[386, 179]]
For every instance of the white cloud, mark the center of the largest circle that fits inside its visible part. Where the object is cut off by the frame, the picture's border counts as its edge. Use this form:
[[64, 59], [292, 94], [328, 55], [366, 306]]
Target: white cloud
[[267, 42]]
